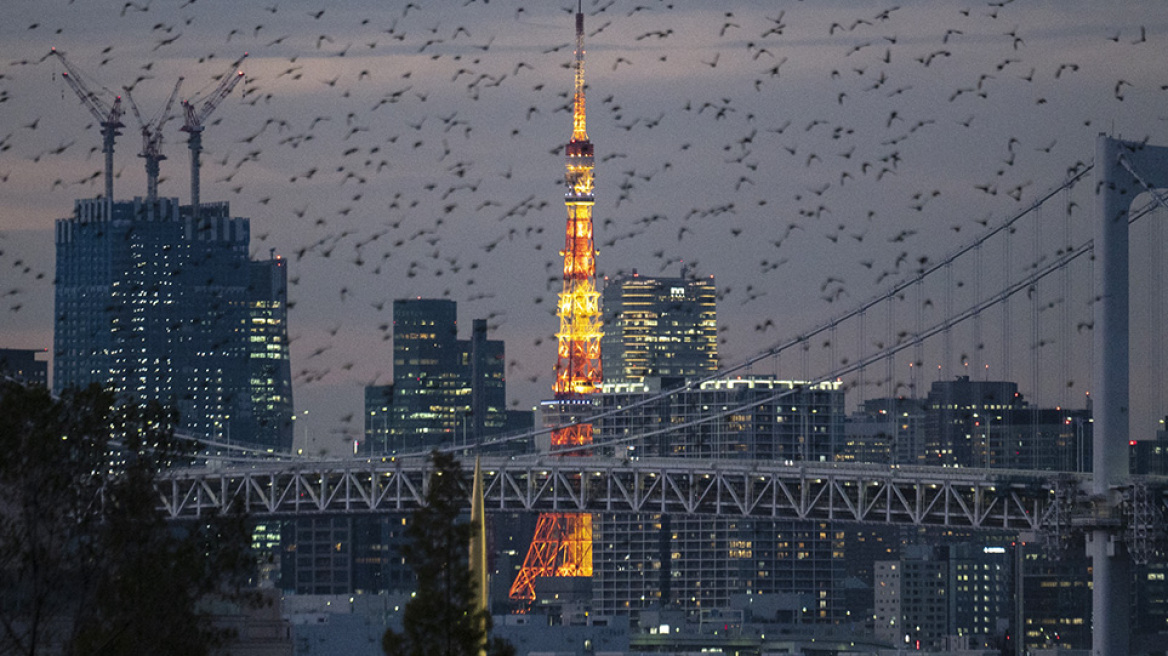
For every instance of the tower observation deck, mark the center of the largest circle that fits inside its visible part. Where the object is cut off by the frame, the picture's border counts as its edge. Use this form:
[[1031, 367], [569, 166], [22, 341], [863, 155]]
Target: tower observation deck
[[562, 545]]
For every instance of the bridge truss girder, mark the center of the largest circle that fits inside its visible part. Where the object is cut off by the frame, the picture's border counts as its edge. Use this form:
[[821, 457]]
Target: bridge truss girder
[[967, 498]]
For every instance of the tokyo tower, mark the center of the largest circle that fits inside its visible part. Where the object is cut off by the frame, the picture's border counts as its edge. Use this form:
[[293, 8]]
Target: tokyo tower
[[562, 545]]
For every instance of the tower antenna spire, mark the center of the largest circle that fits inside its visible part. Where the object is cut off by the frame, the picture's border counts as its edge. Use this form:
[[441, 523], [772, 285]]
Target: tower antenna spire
[[562, 545], [579, 133]]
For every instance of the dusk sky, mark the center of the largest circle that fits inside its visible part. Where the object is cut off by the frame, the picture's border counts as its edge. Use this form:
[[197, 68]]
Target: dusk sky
[[796, 151]]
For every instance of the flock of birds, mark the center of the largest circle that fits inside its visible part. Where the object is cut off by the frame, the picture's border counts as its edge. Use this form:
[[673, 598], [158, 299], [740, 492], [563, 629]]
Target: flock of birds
[[803, 155]]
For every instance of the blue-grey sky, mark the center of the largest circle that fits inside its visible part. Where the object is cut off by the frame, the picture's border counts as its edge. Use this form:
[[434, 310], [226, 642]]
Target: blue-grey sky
[[793, 150]]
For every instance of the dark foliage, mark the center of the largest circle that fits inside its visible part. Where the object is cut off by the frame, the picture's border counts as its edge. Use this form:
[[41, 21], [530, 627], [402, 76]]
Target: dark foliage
[[441, 619], [87, 561]]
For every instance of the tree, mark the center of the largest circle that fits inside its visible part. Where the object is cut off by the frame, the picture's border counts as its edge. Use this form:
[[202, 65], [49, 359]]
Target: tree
[[88, 563], [441, 619]]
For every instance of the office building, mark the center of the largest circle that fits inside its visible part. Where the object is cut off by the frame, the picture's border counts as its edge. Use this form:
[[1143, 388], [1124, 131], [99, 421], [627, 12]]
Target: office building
[[695, 564], [344, 555], [989, 424], [23, 366], [1146, 457], [980, 582], [757, 418], [885, 431], [269, 360], [378, 413], [956, 596], [1150, 584], [445, 390], [158, 306], [1056, 597], [658, 327], [911, 608], [431, 395], [864, 545], [955, 409]]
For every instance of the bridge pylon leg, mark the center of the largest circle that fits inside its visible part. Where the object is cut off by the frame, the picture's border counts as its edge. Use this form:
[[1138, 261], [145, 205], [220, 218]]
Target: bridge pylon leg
[[1117, 164]]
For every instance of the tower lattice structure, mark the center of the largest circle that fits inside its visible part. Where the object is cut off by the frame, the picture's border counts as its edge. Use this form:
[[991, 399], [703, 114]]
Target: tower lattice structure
[[562, 545]]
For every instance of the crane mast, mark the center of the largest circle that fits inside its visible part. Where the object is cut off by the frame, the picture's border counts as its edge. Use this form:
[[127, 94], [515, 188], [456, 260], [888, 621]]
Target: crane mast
[[152, 139], [196, 111], [108, 116]]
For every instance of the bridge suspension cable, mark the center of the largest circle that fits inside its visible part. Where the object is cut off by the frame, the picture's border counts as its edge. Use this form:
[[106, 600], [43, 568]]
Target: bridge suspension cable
[[1069, 254], [925, 272]]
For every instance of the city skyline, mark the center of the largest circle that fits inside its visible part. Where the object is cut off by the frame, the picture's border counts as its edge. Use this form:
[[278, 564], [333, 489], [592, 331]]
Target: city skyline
[[706, 156]]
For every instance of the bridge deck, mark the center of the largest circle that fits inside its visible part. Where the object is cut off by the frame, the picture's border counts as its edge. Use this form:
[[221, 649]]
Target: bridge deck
[[970, 498]]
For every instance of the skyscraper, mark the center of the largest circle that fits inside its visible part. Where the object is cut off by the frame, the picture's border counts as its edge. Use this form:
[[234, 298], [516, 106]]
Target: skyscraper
[[756, 418], [156, 305], [445, 390], [886, 431], [659, 327], [378, 414], [430, 392], [269, 361]]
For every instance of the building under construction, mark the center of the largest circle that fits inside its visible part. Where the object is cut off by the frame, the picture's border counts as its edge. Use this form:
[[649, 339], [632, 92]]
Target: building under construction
[[160, 301]]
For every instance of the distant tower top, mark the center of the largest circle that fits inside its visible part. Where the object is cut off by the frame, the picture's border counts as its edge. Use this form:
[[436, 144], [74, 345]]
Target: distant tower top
[[578, 121]]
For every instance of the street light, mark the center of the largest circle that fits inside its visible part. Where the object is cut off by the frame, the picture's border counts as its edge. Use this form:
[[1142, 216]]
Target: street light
[[303, 417]]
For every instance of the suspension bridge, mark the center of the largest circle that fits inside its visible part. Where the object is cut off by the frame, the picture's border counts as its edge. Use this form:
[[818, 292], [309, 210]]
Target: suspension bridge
[[1013, 286]]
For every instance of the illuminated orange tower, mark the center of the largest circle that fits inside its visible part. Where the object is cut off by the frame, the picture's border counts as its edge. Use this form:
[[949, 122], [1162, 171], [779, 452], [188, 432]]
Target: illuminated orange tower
[[562, 545]]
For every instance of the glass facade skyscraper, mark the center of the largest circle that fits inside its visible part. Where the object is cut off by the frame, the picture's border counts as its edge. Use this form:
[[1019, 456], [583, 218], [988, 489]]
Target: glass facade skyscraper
[[156, 305], [445, 390], [658, 327]]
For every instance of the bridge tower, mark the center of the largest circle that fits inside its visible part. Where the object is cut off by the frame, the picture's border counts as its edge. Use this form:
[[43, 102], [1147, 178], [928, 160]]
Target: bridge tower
[[1123, 170], [562, 545]]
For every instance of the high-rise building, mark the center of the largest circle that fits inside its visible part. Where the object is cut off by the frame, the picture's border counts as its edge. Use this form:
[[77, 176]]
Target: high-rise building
[[23, 366], [1146, 456], [911, 606], [378, 414], [344, 555], [864, 545], [956, 596], [980, 581], [695, 564], [429, 377], [759, 418], [954, 408], [663, 327], [445, 390], [270, 363], [1056, 600], [989, 424], [156, 305]]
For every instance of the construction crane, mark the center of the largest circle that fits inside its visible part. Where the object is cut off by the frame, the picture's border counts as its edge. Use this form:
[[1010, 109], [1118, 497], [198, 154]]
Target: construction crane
[[108, 115], [152, 138], [196, 111]]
